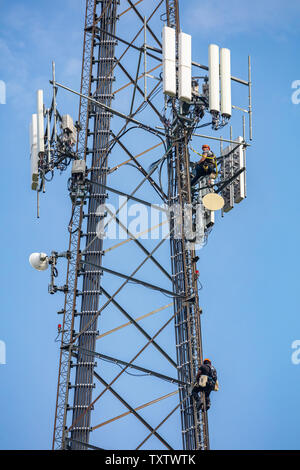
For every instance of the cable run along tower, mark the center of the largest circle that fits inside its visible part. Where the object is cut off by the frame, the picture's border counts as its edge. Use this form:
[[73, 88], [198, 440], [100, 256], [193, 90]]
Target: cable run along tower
[[126, 355]]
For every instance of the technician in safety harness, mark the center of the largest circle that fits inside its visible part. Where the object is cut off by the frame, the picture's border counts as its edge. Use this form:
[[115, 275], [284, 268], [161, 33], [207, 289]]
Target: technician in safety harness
[[206, 381], [207, 166]]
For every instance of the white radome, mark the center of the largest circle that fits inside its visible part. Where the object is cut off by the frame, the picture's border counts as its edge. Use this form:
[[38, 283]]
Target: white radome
[[213, 202], [39, 261]]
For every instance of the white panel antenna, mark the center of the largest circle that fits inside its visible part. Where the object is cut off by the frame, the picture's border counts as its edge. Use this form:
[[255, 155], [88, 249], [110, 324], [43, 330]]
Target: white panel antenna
[[209, 218], [225, 72], [67, 125], [169, 61], [40, 121], [214, 78], [240, 185], [185, 67], [34, 153]]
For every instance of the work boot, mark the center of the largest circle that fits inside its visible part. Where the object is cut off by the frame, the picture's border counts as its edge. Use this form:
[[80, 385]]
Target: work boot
[[202, 406]]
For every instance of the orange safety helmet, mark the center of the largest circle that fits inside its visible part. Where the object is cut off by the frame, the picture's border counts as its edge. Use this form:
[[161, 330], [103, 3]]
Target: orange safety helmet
[[205, 146], [207, 360]]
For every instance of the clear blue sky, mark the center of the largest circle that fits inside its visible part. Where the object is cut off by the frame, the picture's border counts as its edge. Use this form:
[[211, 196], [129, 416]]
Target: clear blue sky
[[249, 269]]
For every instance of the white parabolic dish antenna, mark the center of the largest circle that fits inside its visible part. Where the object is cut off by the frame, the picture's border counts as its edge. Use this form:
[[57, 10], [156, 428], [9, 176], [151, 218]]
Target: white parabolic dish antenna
[[39, 261], [213, 202]]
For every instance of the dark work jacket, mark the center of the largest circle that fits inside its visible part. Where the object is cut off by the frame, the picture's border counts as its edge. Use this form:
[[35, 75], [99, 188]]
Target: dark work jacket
[[205, 369]]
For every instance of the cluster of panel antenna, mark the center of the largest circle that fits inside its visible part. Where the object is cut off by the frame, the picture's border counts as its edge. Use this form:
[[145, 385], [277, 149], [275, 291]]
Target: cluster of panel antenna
[[47, 148], [219, 63], [184, 64], [233, 166], [219, 72]]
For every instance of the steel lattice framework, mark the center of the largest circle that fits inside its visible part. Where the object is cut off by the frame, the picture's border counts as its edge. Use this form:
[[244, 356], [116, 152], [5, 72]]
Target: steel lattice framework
[[109, 57]]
